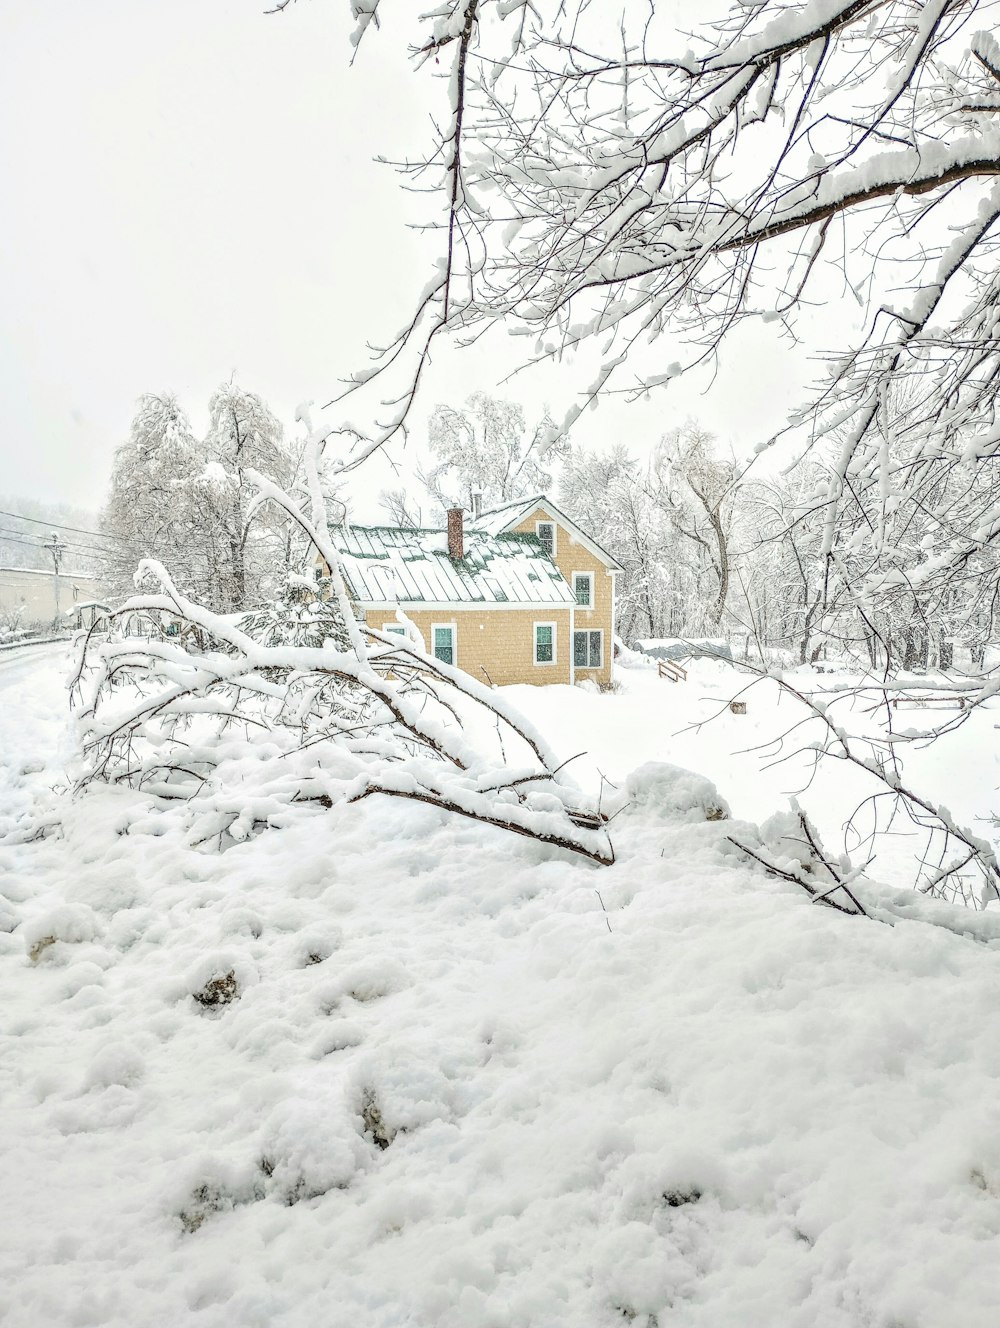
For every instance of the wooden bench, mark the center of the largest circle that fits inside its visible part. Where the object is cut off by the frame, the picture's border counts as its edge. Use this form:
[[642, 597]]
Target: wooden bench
[[669, 668]]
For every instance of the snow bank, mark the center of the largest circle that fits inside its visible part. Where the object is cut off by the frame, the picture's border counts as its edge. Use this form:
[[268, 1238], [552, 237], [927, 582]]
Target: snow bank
[[675, 647]]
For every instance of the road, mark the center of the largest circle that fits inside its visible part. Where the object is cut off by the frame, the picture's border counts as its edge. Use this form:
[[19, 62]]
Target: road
[[17, 665]]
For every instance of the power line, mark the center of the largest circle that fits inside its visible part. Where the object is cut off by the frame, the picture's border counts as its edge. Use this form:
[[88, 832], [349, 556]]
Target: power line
[[39, 548], [119, 540], [94, 550], [37, 521], [9, 539]]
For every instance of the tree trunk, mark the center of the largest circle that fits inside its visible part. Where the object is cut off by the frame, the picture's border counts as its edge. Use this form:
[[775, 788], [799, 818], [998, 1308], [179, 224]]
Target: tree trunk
[[239, 579], [723, 568], [911, 650]]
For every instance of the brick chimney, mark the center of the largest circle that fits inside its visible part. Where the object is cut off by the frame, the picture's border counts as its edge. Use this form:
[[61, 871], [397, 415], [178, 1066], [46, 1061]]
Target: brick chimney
[[456, 533]]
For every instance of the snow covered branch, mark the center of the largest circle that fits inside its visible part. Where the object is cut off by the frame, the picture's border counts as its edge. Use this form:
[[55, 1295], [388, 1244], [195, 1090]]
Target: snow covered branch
[[952, 853], [629, 181], [243, 717]]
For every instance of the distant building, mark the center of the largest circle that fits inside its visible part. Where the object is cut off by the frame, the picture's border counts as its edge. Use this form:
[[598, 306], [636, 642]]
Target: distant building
[[519, 595], [43, 597]]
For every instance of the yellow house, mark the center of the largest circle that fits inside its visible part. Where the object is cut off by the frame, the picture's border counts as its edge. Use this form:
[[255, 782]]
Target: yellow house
[[519, 594]]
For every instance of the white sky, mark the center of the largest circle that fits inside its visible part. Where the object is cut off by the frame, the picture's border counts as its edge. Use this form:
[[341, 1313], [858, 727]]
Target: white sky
[[189, 192]]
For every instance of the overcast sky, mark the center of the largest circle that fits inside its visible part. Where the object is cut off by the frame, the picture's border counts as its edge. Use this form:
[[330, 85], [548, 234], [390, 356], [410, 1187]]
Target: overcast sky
[[189, 192]]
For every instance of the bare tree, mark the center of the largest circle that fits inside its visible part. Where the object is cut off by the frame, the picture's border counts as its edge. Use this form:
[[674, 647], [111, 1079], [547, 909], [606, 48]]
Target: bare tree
[[244, 436], [698, 490], [609, 493], [401, 508], [487, 446], [186, 501], [155, 507], [784, 566], [484, 447]]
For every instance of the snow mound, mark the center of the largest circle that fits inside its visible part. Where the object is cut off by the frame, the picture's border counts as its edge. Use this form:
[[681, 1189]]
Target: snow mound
[[664, 792], [9, 917], [118, 1065], [792, 844], [70, 923], [311, 1145]]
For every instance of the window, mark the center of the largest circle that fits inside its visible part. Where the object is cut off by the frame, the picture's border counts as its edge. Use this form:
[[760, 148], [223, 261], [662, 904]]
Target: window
[[588, 649], [443, 636], [545, 643], [583, 589], [546, 532], [395, 629]]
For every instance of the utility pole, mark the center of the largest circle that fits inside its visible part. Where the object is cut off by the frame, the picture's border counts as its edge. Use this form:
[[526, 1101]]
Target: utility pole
[[56, 547]]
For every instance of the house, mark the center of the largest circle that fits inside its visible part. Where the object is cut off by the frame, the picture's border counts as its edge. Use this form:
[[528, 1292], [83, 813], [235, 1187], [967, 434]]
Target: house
[[519, 594], [34, 596]]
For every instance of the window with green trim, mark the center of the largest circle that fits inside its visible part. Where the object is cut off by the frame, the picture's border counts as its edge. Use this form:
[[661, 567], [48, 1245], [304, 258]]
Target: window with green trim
[[583, 589], [444, 644], [545, 643], [588, 649]]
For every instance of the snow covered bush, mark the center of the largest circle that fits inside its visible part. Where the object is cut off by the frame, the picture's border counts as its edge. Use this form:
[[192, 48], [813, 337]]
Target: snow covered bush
[[12, 622], [304, 614]]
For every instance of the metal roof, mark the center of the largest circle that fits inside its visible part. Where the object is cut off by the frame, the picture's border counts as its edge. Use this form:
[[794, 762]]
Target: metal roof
[[499, 520], [389, 565]]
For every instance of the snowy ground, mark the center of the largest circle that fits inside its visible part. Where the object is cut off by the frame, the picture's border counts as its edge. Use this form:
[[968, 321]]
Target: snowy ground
[[453, 1091], [690, 724]]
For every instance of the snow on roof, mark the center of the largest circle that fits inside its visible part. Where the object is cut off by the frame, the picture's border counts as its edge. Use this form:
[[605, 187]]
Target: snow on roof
[[47, 571], [499, 520], [386, 564]]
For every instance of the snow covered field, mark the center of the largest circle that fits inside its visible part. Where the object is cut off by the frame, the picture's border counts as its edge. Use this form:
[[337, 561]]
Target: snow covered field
[[387, 1068]]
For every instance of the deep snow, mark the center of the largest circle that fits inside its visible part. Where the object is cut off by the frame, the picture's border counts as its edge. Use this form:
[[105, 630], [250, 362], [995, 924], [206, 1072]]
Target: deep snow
[[460, 1087]]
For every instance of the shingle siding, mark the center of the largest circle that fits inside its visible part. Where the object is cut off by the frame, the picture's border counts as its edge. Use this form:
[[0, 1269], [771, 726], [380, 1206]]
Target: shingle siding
[[495, 645]]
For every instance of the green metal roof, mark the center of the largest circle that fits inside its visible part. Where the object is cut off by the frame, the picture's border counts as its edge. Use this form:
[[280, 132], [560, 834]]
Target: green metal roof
[[389, 564]]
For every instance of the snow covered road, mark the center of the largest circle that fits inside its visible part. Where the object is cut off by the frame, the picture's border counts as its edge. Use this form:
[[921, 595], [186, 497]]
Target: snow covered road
[[15, 653], [33, 724]]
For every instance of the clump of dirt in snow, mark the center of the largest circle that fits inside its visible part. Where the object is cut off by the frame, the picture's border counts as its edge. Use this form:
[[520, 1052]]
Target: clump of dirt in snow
[[217, 991], [371, 1115], [205, 1200], [678, 1198], [39, 947]]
